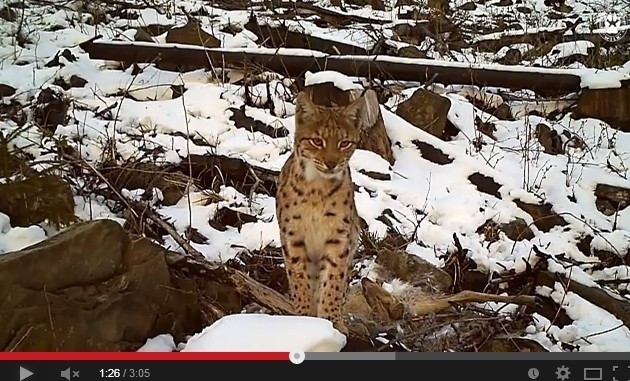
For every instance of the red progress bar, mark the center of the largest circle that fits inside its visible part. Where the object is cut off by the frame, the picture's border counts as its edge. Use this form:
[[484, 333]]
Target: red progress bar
[[145, 356]]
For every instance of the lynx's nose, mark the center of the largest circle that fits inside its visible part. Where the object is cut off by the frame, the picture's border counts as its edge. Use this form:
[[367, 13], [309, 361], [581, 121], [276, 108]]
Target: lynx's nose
[[330, 164]]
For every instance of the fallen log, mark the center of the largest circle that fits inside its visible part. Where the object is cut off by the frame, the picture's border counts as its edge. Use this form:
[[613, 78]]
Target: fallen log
[[281, 36], [597, 296], [302, 8], [331, 16], [296, 62], [493, 44], [539, 276]]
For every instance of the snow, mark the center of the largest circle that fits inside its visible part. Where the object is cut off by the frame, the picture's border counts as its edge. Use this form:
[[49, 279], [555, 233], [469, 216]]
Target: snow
[[593, 328], [429, 201], [160, 343], [566, 49], [617, 241], [18, 238], [340, 81], [265, 333]]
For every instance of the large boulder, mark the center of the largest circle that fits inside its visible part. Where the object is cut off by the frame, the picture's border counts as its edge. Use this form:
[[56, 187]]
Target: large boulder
[[427, 111], [90, 288]]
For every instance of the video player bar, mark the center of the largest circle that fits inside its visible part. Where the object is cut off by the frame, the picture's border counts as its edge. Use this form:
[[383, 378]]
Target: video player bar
[[286, 356], [191, 366]]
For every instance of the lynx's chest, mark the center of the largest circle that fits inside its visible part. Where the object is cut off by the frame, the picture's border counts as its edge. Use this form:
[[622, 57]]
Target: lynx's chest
[[322, 217]]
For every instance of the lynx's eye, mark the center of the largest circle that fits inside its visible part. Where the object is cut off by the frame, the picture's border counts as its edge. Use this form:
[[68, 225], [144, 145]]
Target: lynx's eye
[[317, 142], [345, 144]]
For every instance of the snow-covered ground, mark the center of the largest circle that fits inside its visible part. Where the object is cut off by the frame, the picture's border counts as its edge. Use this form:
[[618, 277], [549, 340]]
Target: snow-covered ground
[[430, 201]]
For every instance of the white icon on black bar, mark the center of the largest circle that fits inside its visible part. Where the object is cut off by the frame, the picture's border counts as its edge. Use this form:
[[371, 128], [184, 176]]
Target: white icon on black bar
[[533, 373], [25, 373], [68, 374], [65, 374], [593, 374], [297, 357], [563, 373]]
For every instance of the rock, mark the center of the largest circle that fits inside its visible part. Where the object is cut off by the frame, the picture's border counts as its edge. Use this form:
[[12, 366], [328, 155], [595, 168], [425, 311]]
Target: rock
[[554, 143], [549, 139], [426, 110], [143, 36], [544, 217], [411, 34], [611, 199], [74, 81], [373, 136], [609, 105], [66, 54], [51, 109], [326, 94], [6, 90], [517, 230], [8, 14], [14, 111], [468, 6], [485, 184], [195, 236], [552, 15], [564, 8], [486, 128], [241, 120], [490, 103], [225, 217], [91, 288], [512, 57], [432, 154], [376, 5], [154, 30], [147, 176], [192, 34], [411, 52], [438, 5], [212, 171], [376, 175], [36, 199]]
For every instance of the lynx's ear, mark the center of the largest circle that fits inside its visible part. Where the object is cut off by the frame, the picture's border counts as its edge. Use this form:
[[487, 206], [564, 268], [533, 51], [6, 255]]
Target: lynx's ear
[[357, 111], [305, 109]]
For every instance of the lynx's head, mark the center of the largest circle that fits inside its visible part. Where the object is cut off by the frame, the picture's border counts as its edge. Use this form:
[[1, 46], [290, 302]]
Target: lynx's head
[[326, 137]]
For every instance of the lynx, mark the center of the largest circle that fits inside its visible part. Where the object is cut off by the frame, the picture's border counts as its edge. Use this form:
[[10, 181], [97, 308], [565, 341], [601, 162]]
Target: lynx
[[316, 210]]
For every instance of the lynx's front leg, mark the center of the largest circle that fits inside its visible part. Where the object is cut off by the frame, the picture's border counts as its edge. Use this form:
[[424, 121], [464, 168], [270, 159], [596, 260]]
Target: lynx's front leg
[[333, 284], [296, 265]]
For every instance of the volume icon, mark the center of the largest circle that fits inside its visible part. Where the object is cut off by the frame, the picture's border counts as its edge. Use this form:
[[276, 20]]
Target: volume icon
[[65, 374]]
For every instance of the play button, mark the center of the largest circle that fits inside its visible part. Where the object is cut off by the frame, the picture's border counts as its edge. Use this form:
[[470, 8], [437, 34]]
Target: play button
[[25, 373]]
